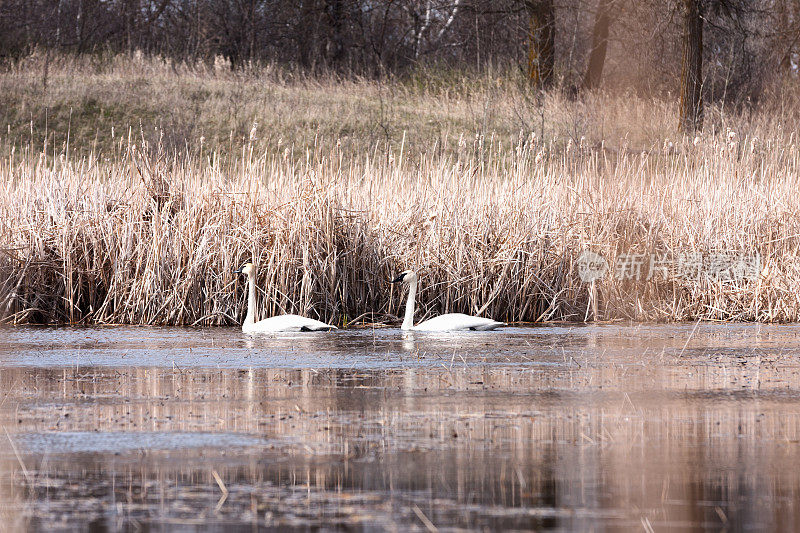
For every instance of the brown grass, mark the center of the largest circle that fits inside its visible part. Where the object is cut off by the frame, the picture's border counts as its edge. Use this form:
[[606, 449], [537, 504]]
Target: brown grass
[[141, 233]]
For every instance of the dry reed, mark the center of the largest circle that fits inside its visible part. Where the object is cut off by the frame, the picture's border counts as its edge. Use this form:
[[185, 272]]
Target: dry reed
[[495, 222]]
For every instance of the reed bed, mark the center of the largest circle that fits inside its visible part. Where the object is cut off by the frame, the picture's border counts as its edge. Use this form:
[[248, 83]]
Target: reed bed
[[147, 239], [133, 230]]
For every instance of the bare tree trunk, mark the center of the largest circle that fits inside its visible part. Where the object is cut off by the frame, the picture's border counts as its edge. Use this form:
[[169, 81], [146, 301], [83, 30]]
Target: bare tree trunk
[[196, 30], [58, 25], [691, 104], [335, 46], [597, 56], [251, 33], [789, 26], [541, 48], [306, 33], [421, 24], [131, 8], [79, 27]]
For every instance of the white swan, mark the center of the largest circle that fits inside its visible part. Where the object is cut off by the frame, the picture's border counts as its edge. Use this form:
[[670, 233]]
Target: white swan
[[448, 322], [275, 323]]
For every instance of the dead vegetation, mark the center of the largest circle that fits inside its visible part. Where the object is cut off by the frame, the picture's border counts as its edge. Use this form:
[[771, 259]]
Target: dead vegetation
[[144, 234]]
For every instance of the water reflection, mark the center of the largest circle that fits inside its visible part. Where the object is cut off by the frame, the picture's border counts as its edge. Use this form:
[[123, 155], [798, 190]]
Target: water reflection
[[563, 429]]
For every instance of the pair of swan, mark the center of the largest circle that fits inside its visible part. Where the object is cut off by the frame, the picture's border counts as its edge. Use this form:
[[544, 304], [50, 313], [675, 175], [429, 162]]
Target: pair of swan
[[448, 322]]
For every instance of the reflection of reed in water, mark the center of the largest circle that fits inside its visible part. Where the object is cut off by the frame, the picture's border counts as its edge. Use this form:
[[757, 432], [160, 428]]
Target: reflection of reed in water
[[527, 445], [14, 474], [233, 400]]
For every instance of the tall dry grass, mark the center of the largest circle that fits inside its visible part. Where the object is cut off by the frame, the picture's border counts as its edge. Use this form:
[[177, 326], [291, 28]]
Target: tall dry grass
[[140, 233]]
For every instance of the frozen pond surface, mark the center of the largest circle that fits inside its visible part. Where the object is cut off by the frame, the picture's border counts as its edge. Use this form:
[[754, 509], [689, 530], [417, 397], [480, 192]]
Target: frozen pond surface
[[561, 428]]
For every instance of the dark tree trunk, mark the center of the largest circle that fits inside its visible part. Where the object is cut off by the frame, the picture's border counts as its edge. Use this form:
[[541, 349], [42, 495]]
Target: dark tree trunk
[[335, 45], [306, 33], [541, 50], [691, 118], [597, 56]]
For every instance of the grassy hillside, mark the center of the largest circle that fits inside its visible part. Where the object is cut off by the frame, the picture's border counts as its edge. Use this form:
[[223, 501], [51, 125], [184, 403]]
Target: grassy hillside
[[96, 103]]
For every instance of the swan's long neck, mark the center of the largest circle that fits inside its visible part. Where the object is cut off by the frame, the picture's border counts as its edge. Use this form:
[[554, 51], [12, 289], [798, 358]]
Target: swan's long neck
[[408, 321], [251, 299]]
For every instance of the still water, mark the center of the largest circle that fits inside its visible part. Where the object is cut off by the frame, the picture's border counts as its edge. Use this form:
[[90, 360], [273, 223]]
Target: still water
[[640, 427]]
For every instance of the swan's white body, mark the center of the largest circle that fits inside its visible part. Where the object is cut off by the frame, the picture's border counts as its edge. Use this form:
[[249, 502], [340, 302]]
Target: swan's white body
[[285, 323], [276, 323], [448, 322]]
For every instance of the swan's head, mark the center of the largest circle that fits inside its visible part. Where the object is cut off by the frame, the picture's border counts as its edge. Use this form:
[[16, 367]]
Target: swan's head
[[246, 269], [406, 276]]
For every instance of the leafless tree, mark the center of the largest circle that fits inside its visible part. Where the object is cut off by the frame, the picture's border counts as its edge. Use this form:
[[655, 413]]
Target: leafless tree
[[597, 54], [691, 104], [730, 49], [541, 48]]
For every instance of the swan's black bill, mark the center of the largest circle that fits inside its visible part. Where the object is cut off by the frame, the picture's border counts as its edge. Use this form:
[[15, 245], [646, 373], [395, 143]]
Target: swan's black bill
[[238, 270], [399, 278]]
